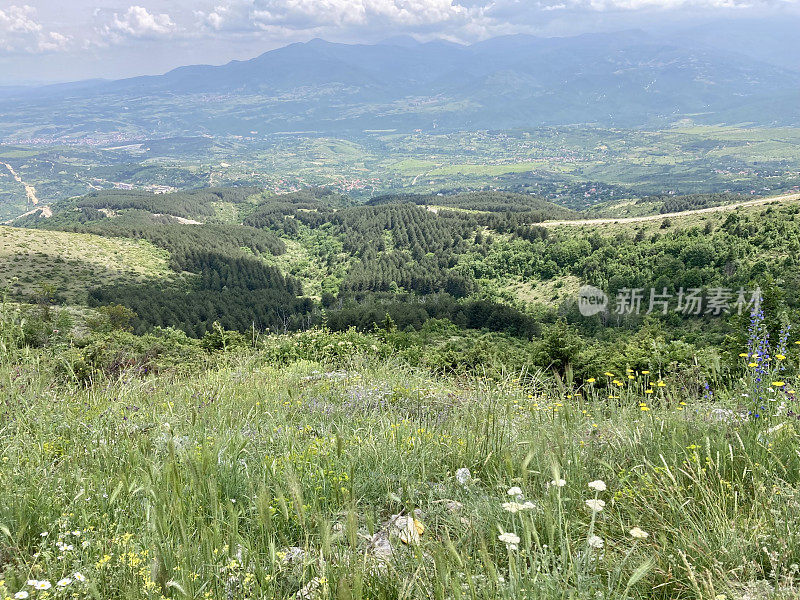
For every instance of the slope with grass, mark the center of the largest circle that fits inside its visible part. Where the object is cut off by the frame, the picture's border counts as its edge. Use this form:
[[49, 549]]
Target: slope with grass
[[315, 466], [70, 264]]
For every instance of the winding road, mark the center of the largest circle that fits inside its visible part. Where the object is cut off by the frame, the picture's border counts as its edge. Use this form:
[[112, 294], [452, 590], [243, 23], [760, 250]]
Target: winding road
[[699, 211]]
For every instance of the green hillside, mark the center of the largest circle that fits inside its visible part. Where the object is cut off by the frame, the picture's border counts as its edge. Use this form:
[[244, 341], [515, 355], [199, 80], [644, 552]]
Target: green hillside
[[324, 464], [314, 398], [69, 265]]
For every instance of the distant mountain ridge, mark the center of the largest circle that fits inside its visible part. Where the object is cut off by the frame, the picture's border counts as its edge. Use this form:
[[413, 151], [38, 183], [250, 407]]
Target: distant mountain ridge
[[626, 79]]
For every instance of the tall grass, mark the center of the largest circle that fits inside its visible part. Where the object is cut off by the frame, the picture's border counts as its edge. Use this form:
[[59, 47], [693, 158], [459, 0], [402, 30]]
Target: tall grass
[[248, 481]]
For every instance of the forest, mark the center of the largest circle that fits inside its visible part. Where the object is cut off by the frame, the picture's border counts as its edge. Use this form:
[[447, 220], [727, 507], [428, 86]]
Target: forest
[[263, 262]]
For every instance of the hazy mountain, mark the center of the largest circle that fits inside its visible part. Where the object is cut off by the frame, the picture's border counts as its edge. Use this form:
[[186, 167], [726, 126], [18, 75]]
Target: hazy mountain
[[628, 78], [770, 40]]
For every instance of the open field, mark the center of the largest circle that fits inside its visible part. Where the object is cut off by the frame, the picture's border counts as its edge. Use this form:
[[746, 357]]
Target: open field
[[347, 478], [71, 263]]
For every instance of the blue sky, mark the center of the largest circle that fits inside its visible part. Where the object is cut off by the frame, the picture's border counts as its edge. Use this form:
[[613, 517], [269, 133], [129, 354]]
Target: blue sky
[[41, 41]]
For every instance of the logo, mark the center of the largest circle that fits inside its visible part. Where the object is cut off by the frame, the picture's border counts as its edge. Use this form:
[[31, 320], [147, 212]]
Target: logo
[[591, 301]]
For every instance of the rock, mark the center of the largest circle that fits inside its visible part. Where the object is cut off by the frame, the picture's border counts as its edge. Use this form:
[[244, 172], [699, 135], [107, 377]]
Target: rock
[[311, 590]]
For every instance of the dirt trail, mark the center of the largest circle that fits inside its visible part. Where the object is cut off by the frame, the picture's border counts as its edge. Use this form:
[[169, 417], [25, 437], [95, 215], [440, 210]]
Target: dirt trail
[[180, 220], [30, 191], [699, 211]]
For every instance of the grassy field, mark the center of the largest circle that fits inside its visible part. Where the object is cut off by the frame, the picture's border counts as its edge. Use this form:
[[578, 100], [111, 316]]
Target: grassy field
[[73, 263], [366, 479]]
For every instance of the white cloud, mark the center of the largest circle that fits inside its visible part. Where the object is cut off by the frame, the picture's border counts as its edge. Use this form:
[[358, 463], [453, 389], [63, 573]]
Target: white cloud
[[138, 22], [233, 15], [303, 15], [601, 5], [628, 5], [306, 13], [20, 31]]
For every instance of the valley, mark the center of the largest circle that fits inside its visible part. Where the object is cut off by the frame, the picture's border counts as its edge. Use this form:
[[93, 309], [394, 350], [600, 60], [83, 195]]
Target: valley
[[481, 312]]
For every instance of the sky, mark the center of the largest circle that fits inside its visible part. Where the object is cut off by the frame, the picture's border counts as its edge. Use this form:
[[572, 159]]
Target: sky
[[70, 40]]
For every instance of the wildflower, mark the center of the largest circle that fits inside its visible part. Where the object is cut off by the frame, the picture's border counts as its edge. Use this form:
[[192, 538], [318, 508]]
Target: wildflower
[[743, 355], [595, 505], [638, 533], [515, 507], [607, 374], [778, 383], [463, 476], [33, 582], [558, 482], [44, 534], [598, 485], [514, 491], [21, 595], [511, 540], [595, 541], [645, 372], [661, 384], [780, 357], [64, 582], [79, 577], [752, 364], [43, 585], [591, 380], [648, 391]]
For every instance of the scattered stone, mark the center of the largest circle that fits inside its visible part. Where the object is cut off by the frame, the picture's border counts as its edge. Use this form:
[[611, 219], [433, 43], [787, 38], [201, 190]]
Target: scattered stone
[[452, 506], [293, 555], [311, 590]]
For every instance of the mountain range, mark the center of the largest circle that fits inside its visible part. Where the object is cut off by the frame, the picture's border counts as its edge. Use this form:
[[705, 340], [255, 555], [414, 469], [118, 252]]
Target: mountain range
[[623, 79]]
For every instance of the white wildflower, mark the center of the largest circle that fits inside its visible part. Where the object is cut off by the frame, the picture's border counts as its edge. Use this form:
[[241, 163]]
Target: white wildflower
[[595, 505], [79, 577], [595, 541], [514, 491], [558, 483], [598, 485], [639, 534], [511, 540], [43, 585], [64, 582], [21, 595], [514, 507], [463, 476]]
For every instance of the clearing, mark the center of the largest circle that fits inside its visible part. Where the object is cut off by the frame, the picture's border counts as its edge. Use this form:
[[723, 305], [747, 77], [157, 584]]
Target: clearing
[[73, 263]]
